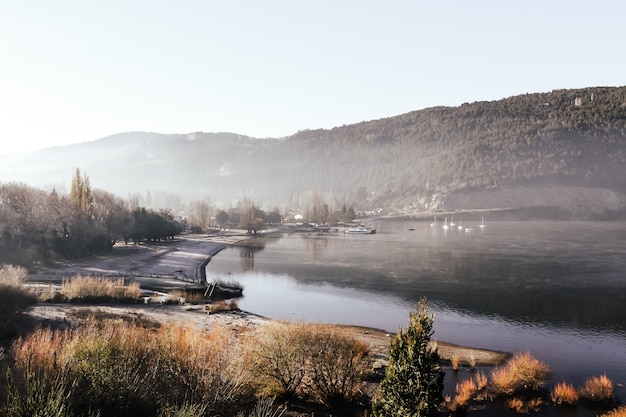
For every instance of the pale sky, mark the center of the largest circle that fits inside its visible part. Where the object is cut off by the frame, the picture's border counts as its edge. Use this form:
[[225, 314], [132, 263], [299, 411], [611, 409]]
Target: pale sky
[[76, 71]]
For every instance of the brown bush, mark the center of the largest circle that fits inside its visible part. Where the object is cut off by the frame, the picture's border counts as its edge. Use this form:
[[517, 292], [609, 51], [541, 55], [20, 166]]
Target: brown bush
[[564, 394], [597, 388], [291, 357], [471, 389], [336, 364], [280, 357], [521, 372]]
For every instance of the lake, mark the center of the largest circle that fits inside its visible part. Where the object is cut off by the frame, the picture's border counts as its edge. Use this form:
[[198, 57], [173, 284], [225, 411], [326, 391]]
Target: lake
[[555, 289]]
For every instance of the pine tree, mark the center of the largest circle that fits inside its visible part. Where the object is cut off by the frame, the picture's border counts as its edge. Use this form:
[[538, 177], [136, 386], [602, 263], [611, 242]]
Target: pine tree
[[413, 382]]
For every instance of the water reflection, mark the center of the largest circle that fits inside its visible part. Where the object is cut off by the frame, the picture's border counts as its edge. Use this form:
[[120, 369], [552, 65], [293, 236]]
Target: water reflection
[[555, 289]]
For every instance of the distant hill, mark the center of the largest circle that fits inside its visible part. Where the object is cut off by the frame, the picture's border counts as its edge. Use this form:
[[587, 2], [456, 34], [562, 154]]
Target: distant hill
[[559, 154]]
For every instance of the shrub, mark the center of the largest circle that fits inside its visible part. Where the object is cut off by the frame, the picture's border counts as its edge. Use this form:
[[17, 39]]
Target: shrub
[[336, 364], [564, 394], [597, 388], [286, 356], [120, 369], [43, 352], [264, 408], [15, 297], [280, 357], [413, 381], [201, 367], [521, 372], [465, 391], [112, 366], [471, 389], [36, 398]]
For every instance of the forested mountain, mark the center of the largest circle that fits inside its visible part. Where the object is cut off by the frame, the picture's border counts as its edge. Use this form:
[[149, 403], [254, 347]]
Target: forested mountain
[[564, 150]]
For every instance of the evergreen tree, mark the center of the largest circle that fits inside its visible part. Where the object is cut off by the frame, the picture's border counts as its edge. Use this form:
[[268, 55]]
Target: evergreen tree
[[413, 382]]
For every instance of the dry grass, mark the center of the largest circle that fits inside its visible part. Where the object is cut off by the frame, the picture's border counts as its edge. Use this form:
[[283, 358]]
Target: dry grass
[[564, 393], [522, 372], [90, 288], [597, 388], [121, 369]]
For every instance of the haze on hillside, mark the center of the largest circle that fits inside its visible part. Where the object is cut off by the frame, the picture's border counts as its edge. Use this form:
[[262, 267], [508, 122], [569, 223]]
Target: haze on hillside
[[559, 154]]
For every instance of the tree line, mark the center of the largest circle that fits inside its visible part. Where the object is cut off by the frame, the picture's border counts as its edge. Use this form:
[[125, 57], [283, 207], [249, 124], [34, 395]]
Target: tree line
[[40, 226]]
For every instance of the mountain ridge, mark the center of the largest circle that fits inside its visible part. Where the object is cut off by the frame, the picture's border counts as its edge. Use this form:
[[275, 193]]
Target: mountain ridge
[[439, 158]]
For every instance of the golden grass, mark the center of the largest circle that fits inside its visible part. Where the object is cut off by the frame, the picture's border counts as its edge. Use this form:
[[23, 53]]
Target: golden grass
[[564, 393], [84, 287], [521, 372], [598, 388]]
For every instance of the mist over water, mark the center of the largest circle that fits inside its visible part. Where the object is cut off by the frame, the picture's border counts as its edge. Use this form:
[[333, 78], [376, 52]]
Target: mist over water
[[556, 289]]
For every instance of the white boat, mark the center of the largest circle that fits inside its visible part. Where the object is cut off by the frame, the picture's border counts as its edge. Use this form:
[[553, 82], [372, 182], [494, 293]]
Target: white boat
[[361, 230], [452, 221], [445, 224], [482, 223], [434, 223], [460, 226]]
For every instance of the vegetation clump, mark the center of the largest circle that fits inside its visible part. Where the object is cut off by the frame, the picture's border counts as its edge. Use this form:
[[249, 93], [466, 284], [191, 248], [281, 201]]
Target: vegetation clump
[[564, 393], [522, 372], [295, 359], [597, 389], [413, 382], [15, 297], [84, 289]]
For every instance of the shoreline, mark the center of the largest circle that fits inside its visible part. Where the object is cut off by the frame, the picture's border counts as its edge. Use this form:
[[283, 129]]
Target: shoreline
[[174, 265]]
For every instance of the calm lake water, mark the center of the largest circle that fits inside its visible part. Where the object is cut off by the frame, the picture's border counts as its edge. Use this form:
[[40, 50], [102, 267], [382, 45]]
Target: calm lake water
[[555, 289]]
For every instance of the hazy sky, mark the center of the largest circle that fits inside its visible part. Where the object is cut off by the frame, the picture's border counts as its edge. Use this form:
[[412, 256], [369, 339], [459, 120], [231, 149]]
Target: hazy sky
[[75, 71]]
